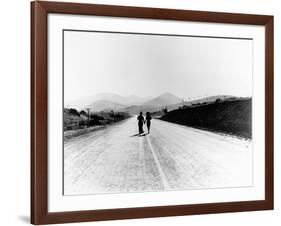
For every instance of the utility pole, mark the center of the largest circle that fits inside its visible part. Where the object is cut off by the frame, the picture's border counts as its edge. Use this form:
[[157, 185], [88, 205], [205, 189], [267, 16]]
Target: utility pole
[[88, 113]]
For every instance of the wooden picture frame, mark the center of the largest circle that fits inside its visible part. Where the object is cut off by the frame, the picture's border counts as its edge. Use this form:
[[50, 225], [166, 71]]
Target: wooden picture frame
[[39, 109]]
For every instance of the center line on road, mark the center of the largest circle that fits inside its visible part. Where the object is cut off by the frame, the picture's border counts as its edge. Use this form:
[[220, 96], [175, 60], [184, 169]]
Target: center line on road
[[160, 170]]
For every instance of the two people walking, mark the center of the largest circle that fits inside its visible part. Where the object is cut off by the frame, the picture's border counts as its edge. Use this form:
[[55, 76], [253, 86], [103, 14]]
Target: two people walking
[[142, 121]]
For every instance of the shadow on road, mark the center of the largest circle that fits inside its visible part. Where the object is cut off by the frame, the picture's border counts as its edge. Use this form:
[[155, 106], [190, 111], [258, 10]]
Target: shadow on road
[[139, 135]]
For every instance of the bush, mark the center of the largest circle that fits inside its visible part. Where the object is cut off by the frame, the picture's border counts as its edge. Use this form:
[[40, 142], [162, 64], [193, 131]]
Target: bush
[[112, 114], [94, 122], [96, 117], [82, 124], [74, 112]]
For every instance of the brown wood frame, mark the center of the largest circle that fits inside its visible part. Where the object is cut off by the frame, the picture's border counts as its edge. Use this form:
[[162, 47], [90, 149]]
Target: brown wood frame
[[39, 107]]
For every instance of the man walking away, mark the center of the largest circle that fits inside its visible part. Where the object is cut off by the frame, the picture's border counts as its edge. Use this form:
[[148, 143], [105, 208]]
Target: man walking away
[[140, 123]]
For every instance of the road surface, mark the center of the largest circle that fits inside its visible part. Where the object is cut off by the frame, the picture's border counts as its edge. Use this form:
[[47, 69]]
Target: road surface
[[171, 157]]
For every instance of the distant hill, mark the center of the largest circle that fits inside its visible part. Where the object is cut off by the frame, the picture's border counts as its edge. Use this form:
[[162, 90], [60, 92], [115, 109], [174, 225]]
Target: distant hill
[[135, 100], [157, 104], [200, 101], [105, 105], [229, 116], [212, 99], [163, 100], [124, 100]]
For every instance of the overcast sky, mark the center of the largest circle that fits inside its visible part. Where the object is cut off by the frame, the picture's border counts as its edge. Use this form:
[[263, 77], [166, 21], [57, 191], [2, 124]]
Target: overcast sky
[[149, 65]]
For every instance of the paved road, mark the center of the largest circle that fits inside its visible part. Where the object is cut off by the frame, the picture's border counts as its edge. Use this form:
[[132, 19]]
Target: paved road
[[171, 157]]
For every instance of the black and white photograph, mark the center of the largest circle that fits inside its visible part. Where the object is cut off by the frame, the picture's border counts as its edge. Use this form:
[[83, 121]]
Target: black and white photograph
[[155, 112]]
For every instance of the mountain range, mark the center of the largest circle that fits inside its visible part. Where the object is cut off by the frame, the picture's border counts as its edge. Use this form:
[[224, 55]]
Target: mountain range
[[111, 97], [163, 100], [105, 105], [134, 104]]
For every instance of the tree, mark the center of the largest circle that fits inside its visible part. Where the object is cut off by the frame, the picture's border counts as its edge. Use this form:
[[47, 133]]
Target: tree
[[73, 111], [83, 112]]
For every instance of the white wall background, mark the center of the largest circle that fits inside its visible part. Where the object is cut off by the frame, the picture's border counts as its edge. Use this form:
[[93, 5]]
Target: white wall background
[[15, 113]]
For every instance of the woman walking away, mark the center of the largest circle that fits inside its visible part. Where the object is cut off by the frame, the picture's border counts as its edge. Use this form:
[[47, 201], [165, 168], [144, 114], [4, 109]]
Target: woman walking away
[[148, 121], [141, 122]]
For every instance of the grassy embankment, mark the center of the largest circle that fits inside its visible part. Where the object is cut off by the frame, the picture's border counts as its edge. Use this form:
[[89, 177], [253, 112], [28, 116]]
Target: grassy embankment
[[230, 117], [77, 123]]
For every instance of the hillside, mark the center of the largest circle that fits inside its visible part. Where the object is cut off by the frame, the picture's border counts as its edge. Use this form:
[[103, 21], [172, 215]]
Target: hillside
[[200, 101], [74, 120], [163, 100], [231, 117]]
